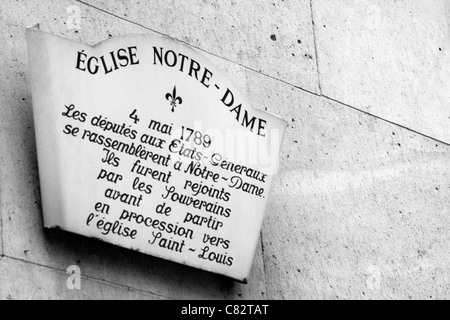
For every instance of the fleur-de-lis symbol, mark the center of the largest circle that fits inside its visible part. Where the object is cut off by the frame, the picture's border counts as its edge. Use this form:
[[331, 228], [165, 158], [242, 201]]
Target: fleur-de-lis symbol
[[173, 99]]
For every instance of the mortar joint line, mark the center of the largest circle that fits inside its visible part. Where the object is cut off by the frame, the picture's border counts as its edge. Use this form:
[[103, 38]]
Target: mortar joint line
[[126, 287]]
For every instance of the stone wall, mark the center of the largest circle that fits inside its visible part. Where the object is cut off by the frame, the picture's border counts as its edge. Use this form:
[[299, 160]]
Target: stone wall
[[361, 205]]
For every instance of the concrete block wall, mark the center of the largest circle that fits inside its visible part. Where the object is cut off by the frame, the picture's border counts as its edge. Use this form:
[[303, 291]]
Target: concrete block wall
[[361, 205]]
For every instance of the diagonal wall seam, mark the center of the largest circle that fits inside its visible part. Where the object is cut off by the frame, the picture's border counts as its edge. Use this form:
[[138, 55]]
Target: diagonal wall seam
[[269, 76], [315, 46], [386, 120], [320, 94], [90, 278]]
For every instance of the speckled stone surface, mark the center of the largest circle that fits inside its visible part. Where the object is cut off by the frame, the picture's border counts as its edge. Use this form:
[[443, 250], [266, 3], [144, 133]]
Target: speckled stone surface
[[389, 58]]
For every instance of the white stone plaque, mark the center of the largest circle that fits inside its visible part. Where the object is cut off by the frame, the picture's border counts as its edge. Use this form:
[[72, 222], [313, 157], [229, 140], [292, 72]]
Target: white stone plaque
[[143, 143]]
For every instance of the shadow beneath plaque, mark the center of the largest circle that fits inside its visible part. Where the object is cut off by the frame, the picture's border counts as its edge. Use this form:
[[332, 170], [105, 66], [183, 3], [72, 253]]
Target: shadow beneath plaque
[[162, 278]]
